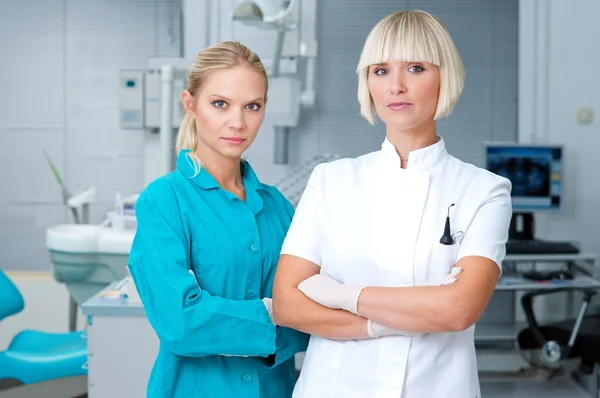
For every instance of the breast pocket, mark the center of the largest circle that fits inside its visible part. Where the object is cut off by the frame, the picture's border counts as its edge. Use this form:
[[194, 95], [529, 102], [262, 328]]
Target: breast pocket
[[213, 265], [443, 258]]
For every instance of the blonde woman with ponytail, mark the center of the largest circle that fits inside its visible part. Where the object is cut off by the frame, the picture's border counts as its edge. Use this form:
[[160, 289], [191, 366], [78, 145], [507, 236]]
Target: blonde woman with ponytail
[[208, 241]]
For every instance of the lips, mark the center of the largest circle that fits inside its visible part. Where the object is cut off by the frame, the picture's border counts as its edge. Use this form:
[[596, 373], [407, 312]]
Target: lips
[[399, 105], [234, 140]]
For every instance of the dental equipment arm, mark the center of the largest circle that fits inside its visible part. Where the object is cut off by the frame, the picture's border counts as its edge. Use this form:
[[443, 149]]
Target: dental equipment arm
[[66, 195]]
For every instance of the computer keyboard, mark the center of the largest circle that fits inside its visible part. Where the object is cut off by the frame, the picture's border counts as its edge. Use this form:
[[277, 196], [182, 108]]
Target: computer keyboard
[[540, 247]]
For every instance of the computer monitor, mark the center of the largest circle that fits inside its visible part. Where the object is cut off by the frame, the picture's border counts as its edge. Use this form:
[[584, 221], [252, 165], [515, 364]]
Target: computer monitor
[[536, 174]]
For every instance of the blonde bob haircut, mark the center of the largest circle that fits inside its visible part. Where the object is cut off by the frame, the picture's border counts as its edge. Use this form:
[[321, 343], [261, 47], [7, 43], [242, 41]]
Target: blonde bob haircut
[[412, 36], [225, 55]]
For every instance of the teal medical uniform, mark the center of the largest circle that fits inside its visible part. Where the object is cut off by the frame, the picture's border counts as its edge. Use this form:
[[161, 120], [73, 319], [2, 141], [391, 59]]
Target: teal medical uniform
[[216, 336]]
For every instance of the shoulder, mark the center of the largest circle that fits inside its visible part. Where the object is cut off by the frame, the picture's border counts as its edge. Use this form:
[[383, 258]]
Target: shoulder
[[340, 171], [162, 193], [480, 179], [273, 193]]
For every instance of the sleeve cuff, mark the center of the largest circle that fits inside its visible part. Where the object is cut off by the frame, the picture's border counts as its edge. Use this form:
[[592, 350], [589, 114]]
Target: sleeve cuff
[[271, 339], [288, 342], [313, 259]]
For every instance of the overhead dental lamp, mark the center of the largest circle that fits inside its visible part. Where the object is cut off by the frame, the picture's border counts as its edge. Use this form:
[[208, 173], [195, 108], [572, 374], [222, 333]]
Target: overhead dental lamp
[[251, 13], [248, 12]]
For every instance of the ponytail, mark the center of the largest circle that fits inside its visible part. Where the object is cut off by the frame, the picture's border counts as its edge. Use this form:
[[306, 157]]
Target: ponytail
[[187, 139]]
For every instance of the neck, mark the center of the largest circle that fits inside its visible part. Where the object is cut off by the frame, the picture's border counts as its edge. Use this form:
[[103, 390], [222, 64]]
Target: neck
[[406, 141], [225, 170]]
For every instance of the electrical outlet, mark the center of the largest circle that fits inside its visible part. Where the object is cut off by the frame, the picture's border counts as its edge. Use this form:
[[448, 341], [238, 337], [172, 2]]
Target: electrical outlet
[[585, 116]]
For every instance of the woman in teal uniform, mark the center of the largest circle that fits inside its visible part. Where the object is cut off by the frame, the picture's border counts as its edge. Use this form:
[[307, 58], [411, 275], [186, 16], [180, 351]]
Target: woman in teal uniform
[[208, 241]]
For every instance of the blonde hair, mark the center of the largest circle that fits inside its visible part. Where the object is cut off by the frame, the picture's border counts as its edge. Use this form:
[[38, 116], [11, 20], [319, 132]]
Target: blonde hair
[[225, 55], [412, 36]]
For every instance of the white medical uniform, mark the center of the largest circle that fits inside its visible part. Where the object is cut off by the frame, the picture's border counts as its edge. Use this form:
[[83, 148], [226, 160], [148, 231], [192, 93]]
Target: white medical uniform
[[367, 221]]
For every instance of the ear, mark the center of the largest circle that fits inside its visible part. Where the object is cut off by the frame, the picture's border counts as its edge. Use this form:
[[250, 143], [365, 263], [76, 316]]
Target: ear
[[189, 103]]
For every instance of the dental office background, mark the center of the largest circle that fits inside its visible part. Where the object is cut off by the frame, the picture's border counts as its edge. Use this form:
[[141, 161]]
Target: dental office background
[[531, 76]]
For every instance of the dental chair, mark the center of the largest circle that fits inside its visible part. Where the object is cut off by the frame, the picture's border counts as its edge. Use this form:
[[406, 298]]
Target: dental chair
[[38, 364], [553, 344]]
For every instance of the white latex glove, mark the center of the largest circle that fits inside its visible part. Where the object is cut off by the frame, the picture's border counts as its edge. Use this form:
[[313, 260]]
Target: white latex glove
[[376, 329], [328, 292], [269, 304], [450, 278]]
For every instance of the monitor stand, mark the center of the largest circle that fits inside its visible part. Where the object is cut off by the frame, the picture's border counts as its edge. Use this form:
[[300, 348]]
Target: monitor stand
[[521, 239], [522, 227]]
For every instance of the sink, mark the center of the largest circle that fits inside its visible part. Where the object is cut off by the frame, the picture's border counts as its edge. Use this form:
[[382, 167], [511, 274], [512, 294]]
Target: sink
[[87, 258], [73, 238]]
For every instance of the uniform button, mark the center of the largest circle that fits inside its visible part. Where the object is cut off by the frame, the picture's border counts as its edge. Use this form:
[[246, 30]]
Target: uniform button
[[247, 377], [254, 248]]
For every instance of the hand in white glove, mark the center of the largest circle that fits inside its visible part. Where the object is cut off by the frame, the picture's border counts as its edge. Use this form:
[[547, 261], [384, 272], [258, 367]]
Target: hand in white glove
[[328, 292], [450, 278], [269, 304], [376, 329]]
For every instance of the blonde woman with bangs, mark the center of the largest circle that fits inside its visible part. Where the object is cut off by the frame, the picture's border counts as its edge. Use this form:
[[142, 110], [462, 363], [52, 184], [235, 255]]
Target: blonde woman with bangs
[[392, 257], [207, 244]]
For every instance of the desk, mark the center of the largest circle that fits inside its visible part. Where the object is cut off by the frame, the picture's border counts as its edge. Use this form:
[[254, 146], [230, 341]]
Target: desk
[[584, 262], [504, 328], [122, 347]]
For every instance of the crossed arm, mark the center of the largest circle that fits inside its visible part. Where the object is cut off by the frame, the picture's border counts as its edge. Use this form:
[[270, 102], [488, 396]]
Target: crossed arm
[[293, 309], [418, 309], [429, 309]]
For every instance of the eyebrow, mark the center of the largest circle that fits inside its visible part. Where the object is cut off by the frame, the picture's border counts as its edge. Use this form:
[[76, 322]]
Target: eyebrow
[[229, 99], [404, 62]]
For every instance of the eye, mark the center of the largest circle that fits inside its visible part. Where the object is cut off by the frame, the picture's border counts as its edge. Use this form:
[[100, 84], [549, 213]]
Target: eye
[[220, 104], [416, 69], [253, 107], [380, 71]]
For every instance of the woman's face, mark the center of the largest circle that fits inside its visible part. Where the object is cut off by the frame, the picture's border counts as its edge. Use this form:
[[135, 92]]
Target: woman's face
[[229, 109], [405, 93]]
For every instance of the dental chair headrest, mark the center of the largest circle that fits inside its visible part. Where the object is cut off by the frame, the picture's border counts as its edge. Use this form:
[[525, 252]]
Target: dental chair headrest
[[11, 301]]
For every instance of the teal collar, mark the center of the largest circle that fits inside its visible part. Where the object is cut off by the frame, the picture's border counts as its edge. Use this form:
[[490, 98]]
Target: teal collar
[[185, 165]]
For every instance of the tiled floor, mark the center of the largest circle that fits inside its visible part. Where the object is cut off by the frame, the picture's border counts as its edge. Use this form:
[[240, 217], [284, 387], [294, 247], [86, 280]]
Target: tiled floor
[[556, 388]]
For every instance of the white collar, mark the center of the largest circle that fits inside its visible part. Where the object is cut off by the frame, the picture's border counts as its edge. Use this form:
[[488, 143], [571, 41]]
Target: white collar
[[418, 160]]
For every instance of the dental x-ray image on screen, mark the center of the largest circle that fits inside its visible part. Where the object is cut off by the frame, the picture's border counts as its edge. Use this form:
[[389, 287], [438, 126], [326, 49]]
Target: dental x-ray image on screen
[[534, 171], [529, 176]]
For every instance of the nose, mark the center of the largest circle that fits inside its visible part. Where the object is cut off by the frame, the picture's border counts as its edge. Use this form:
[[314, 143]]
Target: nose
[[236, 121], [397, 85]]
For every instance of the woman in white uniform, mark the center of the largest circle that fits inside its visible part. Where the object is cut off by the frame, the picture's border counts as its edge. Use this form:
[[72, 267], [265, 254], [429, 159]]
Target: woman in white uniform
[[369, 237]]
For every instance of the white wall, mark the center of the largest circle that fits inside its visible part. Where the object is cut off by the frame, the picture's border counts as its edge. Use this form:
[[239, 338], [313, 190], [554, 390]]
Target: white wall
[[59, 78], [558, 76]]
